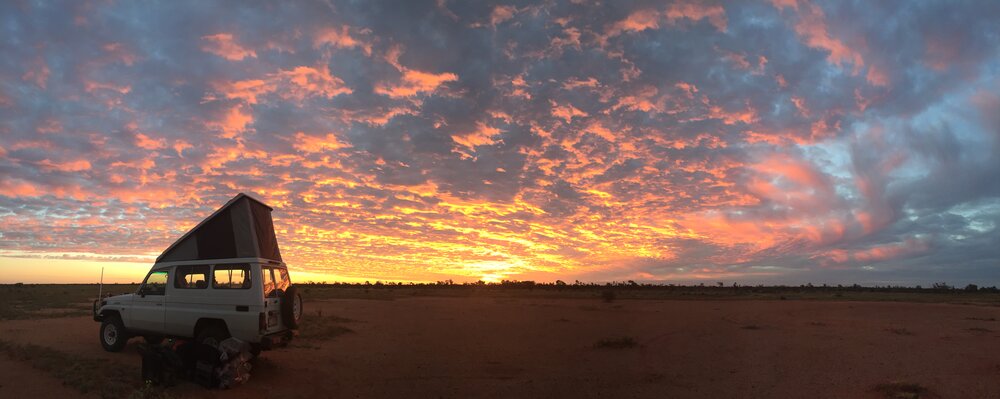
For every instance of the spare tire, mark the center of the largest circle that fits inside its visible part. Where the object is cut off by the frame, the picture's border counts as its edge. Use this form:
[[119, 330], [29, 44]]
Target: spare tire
[[291, 308]]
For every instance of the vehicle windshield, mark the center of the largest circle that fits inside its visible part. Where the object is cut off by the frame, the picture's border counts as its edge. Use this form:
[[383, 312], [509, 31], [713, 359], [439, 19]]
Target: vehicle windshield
[[155, 283]]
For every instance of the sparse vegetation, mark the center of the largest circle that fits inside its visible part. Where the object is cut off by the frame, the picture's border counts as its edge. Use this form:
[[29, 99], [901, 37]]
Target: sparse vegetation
[[37, 301], [901, 390], [319, 327], [149, 391], [899, 331], [87, 375], [636, 290], [980, 329], [608, 296], [616, 343]]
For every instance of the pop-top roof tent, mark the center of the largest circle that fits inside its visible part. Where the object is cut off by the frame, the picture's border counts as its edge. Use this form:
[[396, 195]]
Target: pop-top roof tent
[[242, 228]]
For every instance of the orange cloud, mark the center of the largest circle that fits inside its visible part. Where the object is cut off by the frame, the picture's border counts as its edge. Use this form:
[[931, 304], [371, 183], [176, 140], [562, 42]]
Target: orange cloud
[[78, 165], [340, 38], [223, 45], [565, 112], [310, 144], [641, 20], [298, 83], [483, 135], [145, 142], [414, 83], [233, 122], [501, 14]]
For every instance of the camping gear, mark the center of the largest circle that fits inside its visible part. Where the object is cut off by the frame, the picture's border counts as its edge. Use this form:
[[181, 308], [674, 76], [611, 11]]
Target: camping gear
[[235, 356], [212, 365], [160, 365]]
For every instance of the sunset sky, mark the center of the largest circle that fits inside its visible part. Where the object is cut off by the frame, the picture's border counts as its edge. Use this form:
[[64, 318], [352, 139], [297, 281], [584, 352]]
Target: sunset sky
[[784, 141]]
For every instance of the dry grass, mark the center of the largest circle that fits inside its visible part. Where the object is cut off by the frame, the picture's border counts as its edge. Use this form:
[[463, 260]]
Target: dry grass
[[899, 331], [902, 390], [43, 301], [316, 326], [86, 375], [616, 343]]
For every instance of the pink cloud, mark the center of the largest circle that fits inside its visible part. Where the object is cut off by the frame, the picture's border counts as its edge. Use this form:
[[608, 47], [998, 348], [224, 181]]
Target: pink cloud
[[37, 73], [340, 38], [225, 46], [78, 165], [148, 143], [501, 14], [812, 27]]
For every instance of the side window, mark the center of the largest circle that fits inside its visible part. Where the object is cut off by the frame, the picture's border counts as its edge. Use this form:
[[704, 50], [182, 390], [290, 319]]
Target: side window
[[231, 277], [191, 277], [281, 278], [156, 283], [268, 280]]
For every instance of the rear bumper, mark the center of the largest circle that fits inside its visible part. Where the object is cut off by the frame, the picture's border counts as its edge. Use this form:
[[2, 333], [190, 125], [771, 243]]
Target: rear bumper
[[276, 340]]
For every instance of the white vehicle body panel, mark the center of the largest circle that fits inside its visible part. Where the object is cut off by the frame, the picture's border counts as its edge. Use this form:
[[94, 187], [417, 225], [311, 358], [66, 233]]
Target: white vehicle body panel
[[177, 312]]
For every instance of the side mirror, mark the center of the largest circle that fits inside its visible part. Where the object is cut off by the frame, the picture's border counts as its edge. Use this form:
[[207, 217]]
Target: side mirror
[[142, 292]]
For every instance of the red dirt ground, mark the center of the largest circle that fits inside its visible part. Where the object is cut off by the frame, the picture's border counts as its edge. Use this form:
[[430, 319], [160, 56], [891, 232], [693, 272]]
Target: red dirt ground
[[545, 347]]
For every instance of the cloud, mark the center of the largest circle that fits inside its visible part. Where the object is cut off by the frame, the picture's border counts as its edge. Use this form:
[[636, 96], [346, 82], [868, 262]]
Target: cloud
[[223, 45]]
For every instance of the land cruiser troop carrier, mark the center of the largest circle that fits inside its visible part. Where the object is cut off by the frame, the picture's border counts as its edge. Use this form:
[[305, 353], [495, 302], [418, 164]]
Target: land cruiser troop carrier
[[224, 278]]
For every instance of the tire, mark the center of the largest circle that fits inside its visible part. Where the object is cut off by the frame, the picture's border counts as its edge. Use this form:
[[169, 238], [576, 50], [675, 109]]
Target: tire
[[291, 308], [113, 334], [214, 332], [255, 350], [153, 339]]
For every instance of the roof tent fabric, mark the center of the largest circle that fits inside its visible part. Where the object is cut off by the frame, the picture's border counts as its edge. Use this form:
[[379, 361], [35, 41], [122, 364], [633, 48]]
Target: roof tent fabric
[[242, 228]]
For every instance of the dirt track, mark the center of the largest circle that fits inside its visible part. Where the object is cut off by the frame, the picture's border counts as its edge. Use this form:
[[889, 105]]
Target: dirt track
[[534, 347]]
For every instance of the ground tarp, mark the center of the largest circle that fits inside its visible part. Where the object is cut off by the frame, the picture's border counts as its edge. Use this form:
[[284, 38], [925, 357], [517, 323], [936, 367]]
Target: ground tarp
[[242, 228]]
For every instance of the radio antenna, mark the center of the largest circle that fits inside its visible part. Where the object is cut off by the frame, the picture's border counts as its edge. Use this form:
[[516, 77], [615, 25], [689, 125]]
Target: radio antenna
[[100, 291]]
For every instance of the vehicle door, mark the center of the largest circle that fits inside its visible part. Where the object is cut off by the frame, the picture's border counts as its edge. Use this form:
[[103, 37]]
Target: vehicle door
[[275, 283], [188, 299], [147, 308]]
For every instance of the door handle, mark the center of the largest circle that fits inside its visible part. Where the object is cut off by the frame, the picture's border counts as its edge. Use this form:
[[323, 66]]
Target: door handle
[[159, 304]]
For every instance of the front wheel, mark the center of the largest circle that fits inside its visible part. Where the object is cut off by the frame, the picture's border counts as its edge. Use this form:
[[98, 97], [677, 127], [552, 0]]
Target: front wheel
[[113, 334]]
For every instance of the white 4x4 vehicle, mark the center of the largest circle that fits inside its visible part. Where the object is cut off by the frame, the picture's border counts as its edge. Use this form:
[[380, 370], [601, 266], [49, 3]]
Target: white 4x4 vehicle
[[224, 278]]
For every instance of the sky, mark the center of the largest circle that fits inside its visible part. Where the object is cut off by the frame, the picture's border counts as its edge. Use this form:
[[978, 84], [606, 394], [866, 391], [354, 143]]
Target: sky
[[776, 142]]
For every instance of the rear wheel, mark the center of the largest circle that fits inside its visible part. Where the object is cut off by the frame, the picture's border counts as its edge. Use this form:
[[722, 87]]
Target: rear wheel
[[114, 336], [212, 335]]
